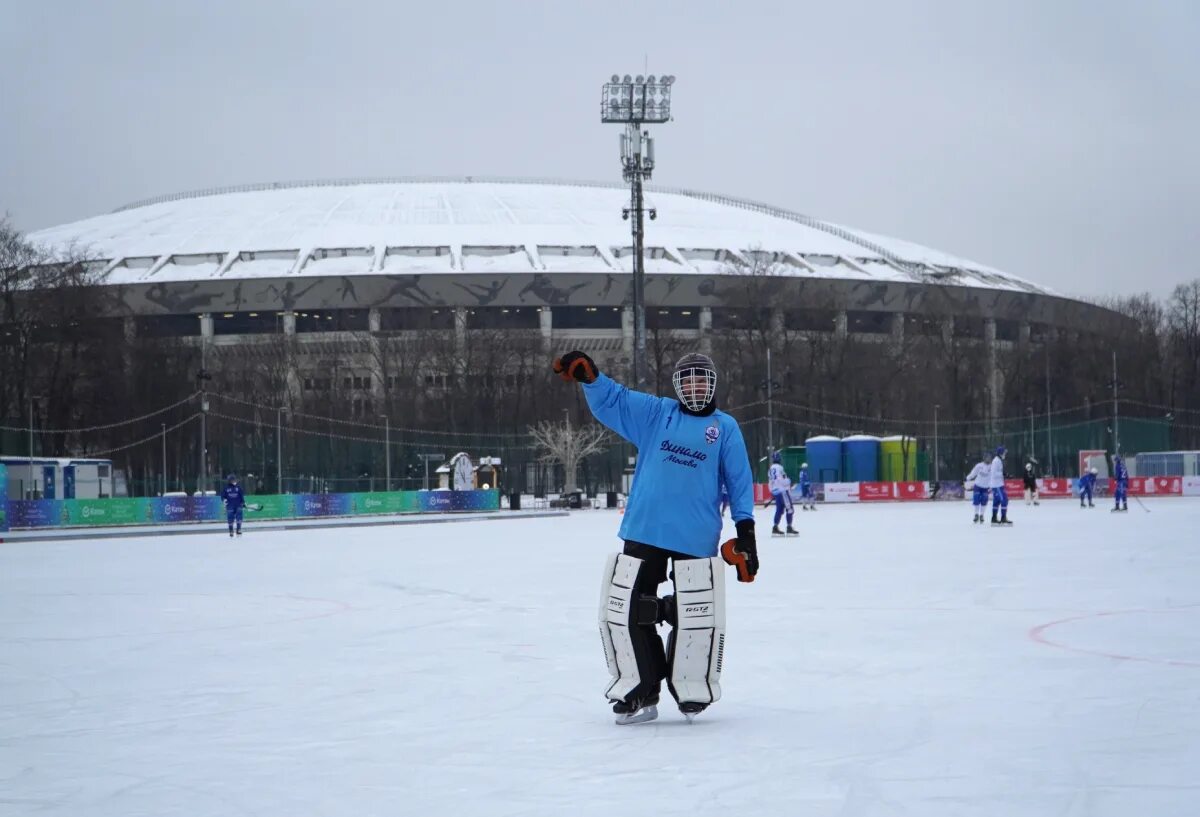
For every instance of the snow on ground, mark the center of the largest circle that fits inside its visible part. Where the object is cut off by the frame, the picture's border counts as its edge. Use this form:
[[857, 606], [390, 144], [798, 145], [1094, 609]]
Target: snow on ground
[[894, 660]]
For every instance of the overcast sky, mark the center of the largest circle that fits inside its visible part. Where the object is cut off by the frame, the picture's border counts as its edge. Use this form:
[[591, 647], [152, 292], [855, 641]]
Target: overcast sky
[[1054, 140]]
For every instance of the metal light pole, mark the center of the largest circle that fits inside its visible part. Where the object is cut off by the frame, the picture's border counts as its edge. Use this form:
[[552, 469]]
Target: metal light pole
[[203, 377], [1031, 431], [427, 458], [1116, 427], [633, 102], [31, 399], [164, 453], [770, 409], [936, 469], [1049, 441], [279, 451], [387, 452]]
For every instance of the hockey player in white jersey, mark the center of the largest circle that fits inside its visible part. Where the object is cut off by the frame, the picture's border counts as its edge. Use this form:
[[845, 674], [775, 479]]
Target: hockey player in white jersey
[[979, 480], [999, 493], [686, 449], [781, 490]]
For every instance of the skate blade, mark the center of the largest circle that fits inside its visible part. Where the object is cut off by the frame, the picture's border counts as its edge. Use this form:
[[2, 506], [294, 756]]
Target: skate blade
[[646, 713]]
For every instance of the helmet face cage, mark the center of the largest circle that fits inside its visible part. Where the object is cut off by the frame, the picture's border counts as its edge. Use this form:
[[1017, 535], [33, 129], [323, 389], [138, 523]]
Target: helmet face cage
[[697, 370]]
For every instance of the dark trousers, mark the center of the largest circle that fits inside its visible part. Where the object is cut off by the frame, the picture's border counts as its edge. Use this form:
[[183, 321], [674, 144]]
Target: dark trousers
[[648, 649]]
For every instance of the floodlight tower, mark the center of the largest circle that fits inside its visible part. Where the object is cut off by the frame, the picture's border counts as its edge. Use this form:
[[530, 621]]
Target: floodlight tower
[[634, 101]]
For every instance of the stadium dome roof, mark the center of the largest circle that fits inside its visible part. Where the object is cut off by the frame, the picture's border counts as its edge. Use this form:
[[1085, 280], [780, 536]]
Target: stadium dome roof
[[472, 224]]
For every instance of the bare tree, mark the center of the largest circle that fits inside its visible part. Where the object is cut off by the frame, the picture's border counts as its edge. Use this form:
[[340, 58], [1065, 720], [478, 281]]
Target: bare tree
[[567, 444]]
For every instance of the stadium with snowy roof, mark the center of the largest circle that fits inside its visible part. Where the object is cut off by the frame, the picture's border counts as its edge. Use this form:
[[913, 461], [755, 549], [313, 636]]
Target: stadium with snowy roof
[[552, 257]]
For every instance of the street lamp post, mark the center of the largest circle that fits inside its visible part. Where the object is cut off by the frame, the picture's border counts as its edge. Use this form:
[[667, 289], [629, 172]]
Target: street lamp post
[[164, 455], [634, 101]]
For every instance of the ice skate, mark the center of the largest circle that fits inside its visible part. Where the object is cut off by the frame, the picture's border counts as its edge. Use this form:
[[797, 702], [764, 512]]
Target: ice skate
[[239, 533], [775, 531], [792, 531], [690, 710], [636, 711]]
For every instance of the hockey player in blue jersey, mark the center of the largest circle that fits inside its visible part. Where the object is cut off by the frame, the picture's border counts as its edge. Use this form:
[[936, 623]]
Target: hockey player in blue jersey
[[808, 501], [1120, 484], [235, 503], [999, 492], [1087, 484], [686, 449], [781, 491], [979, 477]]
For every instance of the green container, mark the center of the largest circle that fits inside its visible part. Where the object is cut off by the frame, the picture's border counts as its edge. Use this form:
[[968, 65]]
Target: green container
[[895, 466]]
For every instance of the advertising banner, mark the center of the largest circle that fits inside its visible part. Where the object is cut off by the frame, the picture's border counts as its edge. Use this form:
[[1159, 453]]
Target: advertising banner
[[762, 493], [93, 512], [1161, 486], [837, 491], [41, 513], [34, 513], [1190, 486], [1054, 486], [384, 502], [949, 489], [1014, 487], [911, 490], [875, 491], [274, 506]]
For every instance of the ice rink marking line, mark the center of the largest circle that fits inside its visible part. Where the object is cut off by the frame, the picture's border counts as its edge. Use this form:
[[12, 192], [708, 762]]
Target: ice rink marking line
[[1038, 635]]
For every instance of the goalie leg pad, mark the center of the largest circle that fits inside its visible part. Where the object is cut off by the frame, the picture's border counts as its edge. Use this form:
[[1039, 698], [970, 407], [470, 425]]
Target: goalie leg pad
[[632, 648], [697, 644]]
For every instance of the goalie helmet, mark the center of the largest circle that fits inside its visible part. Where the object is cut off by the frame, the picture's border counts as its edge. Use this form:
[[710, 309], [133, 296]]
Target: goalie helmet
[[695, 381]]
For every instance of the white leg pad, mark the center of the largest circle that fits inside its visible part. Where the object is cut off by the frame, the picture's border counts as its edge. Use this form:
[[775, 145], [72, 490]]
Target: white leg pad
[[616, 613], [700, 634]]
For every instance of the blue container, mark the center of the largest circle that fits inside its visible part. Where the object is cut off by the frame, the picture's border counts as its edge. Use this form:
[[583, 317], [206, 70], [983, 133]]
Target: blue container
[[862, 458], [824, 458]]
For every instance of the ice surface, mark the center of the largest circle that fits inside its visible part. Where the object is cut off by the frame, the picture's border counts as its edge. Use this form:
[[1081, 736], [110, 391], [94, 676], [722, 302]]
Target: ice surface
[[893, 660]]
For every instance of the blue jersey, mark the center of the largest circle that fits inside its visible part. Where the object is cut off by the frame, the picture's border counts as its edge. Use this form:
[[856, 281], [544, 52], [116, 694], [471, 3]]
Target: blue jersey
[[1122, 473], [1087, 482], [682, 461], [233, 497], [805, 482]]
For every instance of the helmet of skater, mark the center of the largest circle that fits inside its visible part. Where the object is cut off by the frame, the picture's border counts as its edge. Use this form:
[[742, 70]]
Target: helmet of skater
[[776, 456], [804, 466], [231, 479], [1001, 451], [695, 381], [1029, 466], [1095, 471]]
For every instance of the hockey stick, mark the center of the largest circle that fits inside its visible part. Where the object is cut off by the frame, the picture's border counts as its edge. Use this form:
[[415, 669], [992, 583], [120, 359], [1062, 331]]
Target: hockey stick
[[253, 507], [1139, 502]]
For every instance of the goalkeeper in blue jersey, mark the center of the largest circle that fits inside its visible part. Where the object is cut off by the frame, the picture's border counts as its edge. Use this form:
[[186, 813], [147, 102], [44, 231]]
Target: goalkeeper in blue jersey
[[686, 449]]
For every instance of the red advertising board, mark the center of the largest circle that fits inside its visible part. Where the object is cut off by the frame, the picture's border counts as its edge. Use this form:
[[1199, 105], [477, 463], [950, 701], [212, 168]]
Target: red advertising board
[[912, 490], [1164, 486], [1054, 486], [874, 491], [1014, 487], [762, 492]]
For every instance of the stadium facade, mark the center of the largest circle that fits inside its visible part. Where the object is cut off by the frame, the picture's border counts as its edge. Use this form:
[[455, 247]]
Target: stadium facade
[[322, 262]]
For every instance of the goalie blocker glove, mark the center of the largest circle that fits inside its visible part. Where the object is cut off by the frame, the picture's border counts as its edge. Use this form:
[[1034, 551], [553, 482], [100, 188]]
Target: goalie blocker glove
[[576, 366], [742, 552]]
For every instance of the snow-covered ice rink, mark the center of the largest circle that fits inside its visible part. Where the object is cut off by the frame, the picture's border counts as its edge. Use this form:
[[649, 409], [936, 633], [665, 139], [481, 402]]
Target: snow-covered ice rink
[[893, 660]]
